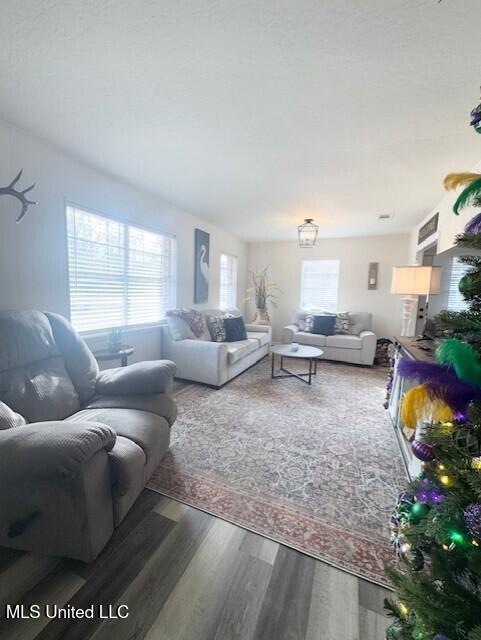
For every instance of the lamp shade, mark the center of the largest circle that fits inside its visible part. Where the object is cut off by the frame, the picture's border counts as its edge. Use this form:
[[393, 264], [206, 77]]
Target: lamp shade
[[416, 280], [307, 233]]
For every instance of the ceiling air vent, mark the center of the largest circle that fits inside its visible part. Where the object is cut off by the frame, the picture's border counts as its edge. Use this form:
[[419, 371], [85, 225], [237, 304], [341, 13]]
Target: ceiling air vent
[[385, 216]]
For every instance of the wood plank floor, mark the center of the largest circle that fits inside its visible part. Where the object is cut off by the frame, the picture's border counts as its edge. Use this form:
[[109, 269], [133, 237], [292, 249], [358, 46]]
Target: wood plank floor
[[186, 575]]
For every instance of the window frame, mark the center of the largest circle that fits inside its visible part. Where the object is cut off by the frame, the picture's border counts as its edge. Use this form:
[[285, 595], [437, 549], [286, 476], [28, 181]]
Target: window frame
[[302, 307], [126, 328], [235, 277]]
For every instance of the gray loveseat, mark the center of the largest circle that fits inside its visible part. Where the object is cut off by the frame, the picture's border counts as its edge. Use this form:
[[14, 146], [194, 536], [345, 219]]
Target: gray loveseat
[[76, 445], [356, 347], [213, 363]]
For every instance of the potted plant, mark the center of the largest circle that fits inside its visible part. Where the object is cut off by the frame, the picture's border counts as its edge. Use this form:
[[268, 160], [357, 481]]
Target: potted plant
[[262, 292], [114, 340]]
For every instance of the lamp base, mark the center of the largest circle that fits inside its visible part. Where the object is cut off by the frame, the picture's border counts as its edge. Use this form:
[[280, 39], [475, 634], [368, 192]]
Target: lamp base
[[409, 304]]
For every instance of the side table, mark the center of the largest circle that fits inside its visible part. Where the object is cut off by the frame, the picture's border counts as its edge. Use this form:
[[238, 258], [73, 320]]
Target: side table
[[122, 354]]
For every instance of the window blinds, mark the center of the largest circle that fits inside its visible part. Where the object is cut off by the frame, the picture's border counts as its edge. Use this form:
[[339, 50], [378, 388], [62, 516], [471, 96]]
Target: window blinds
[[228, 281], [119, 275], [319, 284], [456, 301]]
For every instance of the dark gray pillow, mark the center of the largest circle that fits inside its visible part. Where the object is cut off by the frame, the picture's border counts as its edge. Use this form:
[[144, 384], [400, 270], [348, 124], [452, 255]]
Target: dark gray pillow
[[324, 325], [234, 329]]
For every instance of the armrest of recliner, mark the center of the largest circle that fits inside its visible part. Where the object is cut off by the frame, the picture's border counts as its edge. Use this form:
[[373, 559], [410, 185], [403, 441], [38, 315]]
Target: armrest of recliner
[[9, 418], [288, 333], [159, 403], [50, 450], [137, 379], [368, 349]]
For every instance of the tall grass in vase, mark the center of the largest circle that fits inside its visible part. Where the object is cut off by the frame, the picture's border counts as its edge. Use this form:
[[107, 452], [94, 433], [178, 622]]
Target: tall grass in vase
[[262, 293]]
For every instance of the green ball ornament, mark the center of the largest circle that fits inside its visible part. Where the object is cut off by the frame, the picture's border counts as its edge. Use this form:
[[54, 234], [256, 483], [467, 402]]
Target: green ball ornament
[[419, 511], [466, 285], [395, 632]]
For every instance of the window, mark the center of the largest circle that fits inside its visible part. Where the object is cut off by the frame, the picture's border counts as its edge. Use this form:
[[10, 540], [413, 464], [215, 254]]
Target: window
[[319, 284], [228, 281], [120, 275], [456, 301]]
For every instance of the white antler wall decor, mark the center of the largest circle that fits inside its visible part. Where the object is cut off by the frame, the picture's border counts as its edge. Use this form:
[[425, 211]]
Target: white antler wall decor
[[20, 195]]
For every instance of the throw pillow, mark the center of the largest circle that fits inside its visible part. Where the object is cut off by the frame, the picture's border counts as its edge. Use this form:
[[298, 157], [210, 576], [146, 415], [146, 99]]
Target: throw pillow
[[324, 325], [235, 329], [342, 323], [308, 323], [194, 319], [216, 328]]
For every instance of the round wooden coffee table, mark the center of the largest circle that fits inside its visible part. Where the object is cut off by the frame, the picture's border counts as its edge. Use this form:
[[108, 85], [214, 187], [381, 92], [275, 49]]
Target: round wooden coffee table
[[303, 353]]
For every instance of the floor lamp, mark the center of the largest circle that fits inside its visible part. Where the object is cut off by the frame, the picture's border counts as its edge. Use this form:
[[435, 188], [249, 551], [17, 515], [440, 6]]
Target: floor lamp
[[412, 282]]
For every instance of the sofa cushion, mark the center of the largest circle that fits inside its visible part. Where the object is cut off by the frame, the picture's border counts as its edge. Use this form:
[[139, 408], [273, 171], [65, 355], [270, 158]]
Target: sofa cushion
[[216, 328], [323, 325], [344, 341], [342, 323], [261, 337], [238, 350], [359, 321], [126, 462], [312, 339], [235, 329], [33, 378], [141, 427]]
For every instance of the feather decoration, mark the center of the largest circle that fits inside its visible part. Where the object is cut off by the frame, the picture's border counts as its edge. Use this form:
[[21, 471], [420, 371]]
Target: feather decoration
[[454, 180], [474, 225], [419, 406], [462, 358], [468, 196], [414, 399], [441, 381]]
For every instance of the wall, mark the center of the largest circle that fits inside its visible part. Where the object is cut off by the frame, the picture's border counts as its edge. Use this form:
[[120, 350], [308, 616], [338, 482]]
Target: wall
[[285, 258], [33, 254], [449, 224]]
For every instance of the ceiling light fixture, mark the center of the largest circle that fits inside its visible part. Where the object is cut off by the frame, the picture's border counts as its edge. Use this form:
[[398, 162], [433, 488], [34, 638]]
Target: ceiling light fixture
[[307, 233]]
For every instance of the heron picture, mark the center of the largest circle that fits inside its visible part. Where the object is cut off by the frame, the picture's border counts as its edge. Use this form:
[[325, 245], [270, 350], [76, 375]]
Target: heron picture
[[201, 288]]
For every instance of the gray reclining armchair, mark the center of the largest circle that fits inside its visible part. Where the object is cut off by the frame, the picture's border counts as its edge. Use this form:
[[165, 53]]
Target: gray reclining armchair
[[77, 445]]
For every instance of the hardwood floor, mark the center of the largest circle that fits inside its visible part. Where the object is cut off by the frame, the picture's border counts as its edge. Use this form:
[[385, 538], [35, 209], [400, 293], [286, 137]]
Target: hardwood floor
[[187, 575]]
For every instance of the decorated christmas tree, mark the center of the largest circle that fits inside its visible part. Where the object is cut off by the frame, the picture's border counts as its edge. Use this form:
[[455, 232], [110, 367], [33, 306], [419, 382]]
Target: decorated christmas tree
[[436, 525]]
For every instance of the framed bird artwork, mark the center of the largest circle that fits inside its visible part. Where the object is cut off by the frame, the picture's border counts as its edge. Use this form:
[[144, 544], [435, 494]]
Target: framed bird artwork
[[201, 272]]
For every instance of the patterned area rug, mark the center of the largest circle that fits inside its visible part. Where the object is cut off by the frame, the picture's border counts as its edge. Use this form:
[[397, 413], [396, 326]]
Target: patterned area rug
[[316, 468]]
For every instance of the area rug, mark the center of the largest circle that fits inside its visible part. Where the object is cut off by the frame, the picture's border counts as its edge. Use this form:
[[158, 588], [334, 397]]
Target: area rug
[[315, 468]]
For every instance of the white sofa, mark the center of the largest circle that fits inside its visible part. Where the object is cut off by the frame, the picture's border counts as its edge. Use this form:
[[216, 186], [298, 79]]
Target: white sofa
[[213, 363], [357, 347]]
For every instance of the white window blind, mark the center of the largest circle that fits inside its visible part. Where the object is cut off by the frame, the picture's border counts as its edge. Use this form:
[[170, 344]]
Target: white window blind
[[319, 284], [228, 281], [120, 275], [456, 301]]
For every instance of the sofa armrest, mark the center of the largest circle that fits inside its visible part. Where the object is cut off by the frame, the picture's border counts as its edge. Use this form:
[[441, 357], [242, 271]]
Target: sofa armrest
[[288, 333], [263, 328], [140, 378], [199, 360], [368, 349], [51, 450]]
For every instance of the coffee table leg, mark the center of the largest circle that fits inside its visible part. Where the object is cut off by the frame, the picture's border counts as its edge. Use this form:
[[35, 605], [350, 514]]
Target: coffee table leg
[[272, 366], [310, 370]]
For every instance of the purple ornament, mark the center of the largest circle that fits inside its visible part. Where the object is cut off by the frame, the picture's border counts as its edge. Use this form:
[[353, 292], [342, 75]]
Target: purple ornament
[[422, 451], [472, 518], [441, 636]]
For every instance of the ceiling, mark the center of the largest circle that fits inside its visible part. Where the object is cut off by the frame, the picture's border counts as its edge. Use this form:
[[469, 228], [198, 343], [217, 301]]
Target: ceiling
[[255, 114]]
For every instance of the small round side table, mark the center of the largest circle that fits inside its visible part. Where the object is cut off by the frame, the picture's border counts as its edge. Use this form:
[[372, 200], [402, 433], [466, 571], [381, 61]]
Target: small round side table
[[122, 354]]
